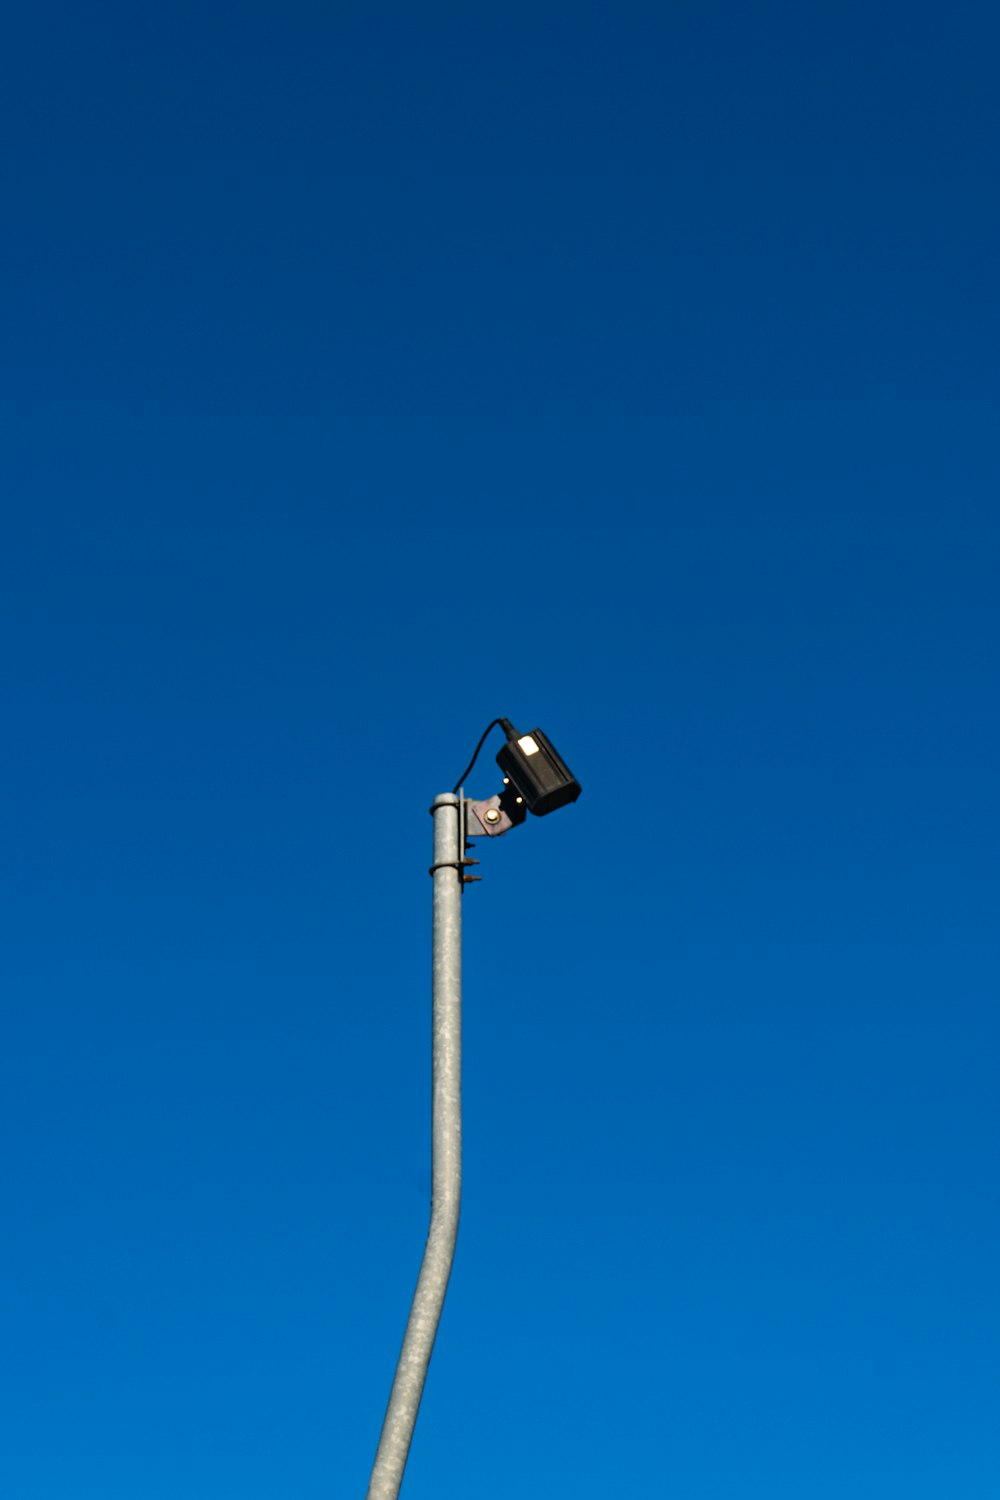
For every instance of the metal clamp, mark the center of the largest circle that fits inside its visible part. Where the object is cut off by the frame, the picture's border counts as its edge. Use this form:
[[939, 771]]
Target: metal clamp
[[456, 864]]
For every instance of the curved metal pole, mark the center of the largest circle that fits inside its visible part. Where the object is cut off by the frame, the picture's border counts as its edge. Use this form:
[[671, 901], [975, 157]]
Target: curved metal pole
[[432, 1283]]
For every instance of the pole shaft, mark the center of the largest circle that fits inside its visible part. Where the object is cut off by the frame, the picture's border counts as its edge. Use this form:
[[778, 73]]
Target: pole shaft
[[432, 1283]]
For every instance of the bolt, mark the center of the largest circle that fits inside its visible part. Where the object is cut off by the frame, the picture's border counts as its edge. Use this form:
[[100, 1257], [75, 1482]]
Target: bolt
[[492, 815]]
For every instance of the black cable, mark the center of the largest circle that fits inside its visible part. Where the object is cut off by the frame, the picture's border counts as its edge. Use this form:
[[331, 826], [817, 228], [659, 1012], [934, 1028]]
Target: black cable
[[510, 732]]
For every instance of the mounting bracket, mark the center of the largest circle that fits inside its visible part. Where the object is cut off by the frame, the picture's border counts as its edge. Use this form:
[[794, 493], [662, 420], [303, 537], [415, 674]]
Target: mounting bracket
[[493, 816]]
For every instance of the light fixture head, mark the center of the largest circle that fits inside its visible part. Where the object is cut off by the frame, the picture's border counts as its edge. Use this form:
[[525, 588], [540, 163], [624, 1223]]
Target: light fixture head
[[537, 771]]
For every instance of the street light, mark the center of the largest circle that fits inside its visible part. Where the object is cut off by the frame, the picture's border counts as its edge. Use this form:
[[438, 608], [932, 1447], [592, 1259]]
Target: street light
[[536, 778]]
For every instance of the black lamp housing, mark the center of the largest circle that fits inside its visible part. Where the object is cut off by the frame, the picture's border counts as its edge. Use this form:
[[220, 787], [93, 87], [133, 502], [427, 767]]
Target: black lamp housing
[[536, 770]]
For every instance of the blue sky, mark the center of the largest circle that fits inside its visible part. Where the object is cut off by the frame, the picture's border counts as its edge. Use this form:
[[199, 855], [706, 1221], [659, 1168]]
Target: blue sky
[[371, 371]]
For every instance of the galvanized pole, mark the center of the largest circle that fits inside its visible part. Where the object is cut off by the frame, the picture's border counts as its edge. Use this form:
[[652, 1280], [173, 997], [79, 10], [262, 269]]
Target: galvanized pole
[[432, 1283]]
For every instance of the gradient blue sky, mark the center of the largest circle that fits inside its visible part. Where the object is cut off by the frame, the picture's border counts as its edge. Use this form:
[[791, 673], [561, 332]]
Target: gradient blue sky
[[372, 370]]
